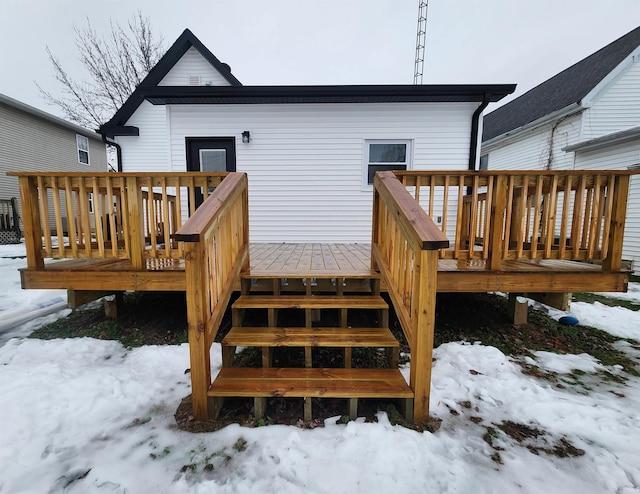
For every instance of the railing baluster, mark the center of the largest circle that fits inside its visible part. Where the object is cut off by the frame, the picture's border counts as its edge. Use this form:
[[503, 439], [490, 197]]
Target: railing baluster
[[445, 205], [611, 190], [578, 213], [83, 197], [551, 218], [459, 215], [564, 226], [507, 221], [488, 218], [43, 197], [97, 216], [536, 218], [55, 191], [522, 216]]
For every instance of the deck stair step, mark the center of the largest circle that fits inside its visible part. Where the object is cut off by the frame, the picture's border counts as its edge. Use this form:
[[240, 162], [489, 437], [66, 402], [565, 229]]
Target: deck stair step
[[262, 383], [310, 337], [310, 302]]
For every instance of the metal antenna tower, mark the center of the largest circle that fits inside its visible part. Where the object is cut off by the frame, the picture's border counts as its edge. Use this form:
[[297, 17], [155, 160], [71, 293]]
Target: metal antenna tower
[[421, 38]]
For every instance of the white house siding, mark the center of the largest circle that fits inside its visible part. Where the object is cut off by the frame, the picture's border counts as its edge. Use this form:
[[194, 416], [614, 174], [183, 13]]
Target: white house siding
[[617, 107], [531, 150], [32, 144], [193, 64], [620, 157], [150, 150], [305, 162]]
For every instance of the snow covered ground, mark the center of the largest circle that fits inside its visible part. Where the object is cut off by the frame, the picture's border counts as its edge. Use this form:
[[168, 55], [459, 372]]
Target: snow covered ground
[[83, 415]]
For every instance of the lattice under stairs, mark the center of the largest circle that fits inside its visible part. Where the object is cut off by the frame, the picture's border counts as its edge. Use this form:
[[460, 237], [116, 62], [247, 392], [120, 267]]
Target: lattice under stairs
[[308, 382]]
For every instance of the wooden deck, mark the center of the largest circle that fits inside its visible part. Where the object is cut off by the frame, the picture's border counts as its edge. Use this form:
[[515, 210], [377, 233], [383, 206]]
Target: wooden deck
[[465, 231], [327, 261]]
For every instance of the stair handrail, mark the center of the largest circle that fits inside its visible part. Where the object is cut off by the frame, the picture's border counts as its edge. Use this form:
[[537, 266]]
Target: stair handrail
[[216, 250], [405, 244]]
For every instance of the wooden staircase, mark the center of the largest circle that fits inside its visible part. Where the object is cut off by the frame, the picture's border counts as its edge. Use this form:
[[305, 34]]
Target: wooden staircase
[[310, 382]]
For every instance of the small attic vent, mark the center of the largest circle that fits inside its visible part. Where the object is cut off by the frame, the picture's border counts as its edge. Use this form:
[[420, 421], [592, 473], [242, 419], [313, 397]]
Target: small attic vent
[[194, 80]]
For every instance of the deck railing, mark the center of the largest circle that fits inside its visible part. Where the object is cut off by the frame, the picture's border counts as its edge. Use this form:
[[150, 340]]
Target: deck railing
[[499, 215], [216, 241], [108, 215], [405, 244]]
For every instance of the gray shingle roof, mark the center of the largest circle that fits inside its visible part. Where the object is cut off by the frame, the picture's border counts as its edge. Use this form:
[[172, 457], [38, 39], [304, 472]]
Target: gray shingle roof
[[564, 89]]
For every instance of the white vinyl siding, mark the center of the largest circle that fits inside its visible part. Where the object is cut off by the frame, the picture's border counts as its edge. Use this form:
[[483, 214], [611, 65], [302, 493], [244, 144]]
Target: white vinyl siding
[[150, 150], [193, 64], [617, 107], [304, 162], [535, 149]]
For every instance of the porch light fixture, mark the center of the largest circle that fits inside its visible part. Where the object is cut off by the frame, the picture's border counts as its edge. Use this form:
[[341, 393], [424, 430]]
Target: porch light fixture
[[246, 137]]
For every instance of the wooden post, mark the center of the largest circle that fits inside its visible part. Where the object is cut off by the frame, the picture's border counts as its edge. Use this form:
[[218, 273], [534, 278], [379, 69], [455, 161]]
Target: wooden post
[[375, 226], [135, 223], [517, 308], [613, 261], [424, 314], [31, 219], [498, 206], [197, 278]]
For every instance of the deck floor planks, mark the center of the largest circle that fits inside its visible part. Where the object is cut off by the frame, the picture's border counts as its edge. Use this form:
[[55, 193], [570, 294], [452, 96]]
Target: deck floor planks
[[331, 260]]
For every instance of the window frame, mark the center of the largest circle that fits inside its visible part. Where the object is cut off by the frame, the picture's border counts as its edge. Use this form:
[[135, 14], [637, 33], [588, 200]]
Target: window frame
[[84, 139], [408, 164]]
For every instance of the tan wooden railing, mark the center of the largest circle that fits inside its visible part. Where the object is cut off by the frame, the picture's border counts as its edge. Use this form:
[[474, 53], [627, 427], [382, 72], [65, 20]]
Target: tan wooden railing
[[108, 215], [500, 215], [405, 244], [216, 241]]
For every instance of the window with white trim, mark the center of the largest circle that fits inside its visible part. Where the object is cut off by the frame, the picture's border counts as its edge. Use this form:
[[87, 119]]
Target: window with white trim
[[83, 149], [382, 155]]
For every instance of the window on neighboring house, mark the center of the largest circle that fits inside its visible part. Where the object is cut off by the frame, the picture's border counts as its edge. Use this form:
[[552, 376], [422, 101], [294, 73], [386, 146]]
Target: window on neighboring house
[[386, 155], [83, 149], [484, 162]]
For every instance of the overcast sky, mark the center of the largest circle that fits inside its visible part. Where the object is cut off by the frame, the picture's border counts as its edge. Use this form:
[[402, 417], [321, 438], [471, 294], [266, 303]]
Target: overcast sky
[[329, 41]]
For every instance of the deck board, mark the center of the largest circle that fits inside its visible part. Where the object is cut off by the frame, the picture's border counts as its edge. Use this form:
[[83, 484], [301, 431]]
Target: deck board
[[328, 260]]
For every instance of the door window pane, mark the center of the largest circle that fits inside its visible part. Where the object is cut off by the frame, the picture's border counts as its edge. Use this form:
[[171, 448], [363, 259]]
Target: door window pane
[[213, 160]]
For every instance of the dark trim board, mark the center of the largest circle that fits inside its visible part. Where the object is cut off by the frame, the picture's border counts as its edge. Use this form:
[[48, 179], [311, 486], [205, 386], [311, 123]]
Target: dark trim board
[[177, 95]]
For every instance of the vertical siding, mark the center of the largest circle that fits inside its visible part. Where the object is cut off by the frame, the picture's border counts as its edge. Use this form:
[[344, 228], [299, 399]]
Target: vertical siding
[[29, 143], [193, 64], [305, 162], [618, 107]]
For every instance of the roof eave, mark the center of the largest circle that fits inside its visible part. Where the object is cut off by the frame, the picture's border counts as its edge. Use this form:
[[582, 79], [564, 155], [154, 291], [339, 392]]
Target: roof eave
[[605, 141]]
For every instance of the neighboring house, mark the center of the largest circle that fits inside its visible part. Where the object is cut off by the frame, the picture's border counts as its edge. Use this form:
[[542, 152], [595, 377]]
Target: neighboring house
[[309, 151], [586, 117], [33, 140]]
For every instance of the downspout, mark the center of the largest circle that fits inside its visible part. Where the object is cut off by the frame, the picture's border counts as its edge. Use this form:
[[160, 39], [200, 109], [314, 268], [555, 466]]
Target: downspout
[[118, 149], [475, 126]]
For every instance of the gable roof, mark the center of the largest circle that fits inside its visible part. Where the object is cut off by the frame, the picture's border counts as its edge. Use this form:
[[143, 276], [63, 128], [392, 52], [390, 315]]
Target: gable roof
[[567, 88], [185, 41], [236, 93]]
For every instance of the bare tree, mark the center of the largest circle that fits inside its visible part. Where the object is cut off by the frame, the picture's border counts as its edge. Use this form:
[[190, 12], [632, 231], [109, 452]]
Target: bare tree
[[115, 65]]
